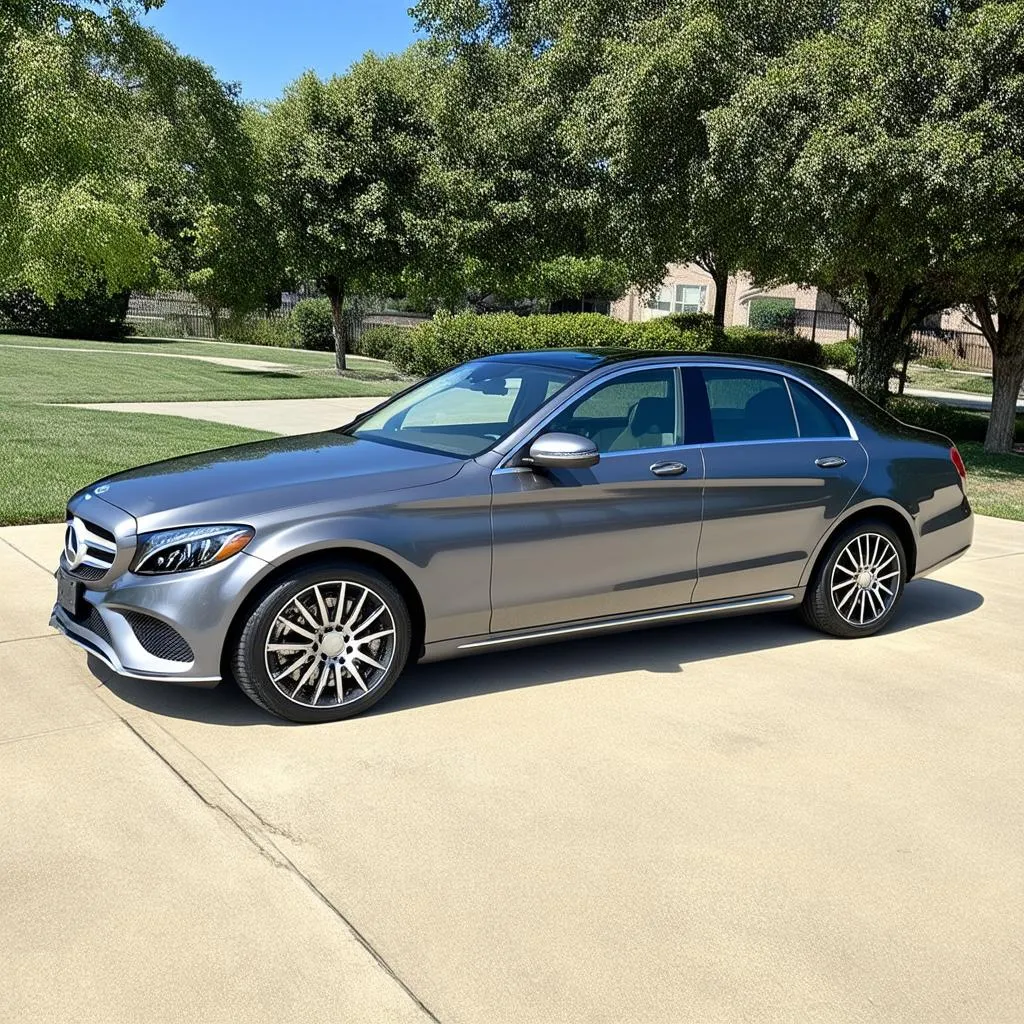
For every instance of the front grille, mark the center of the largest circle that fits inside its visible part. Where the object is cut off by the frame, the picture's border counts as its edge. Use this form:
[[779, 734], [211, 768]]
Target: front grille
[[93, 621], [84, 572], [100, 550], [159, 639]]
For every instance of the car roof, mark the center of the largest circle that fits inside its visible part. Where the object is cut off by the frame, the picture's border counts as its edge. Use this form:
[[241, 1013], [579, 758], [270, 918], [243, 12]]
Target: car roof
[[585, 359]]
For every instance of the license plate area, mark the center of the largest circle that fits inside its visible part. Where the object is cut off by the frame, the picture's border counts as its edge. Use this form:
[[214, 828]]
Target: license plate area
[[69, 594]]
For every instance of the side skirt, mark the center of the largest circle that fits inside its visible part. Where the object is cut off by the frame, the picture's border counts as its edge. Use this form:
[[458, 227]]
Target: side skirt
[[460, 646]]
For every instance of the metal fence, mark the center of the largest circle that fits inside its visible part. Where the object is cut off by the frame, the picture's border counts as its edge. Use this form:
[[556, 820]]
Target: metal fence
[[175, 314], [178, 314]]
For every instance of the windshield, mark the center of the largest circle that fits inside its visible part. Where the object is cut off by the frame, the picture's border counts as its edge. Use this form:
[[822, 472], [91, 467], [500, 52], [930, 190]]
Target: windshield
[[466, 410]]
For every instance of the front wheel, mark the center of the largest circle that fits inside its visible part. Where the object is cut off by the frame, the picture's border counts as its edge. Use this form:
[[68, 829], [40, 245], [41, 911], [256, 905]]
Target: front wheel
[[860, 582], [324, 644]]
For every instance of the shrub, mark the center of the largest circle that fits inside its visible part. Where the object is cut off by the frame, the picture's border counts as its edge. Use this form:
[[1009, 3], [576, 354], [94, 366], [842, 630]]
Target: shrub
[[449, 340], [276, 331], [958, 424], [771, 314], [95, 315], [314, 328], [377, 342], [157, 327], [749, 342], [252, 329], [937, 362], [842, 355]]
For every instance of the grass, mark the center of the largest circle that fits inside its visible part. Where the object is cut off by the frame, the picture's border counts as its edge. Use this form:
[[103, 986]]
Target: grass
[[48, 452], [995, 483], [948, 380], [298, 357], [116, 374]]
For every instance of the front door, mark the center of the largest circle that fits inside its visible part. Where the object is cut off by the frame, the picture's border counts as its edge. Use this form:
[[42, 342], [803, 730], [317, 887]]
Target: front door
[[617, 538], [780, 465]]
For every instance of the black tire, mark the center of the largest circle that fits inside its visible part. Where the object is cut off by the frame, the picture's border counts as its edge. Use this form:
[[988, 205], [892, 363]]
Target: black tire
[[249, 658], [821, 606]]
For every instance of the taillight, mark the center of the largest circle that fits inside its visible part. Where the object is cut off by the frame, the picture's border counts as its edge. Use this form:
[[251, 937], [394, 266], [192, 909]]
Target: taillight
[[958, 461]]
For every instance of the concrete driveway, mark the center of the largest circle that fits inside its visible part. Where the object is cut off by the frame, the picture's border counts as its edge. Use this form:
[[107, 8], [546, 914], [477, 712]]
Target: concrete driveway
[[723, 822]]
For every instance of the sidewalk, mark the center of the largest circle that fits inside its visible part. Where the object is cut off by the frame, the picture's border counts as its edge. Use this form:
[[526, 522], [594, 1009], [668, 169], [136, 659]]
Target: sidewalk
[[278, 416]]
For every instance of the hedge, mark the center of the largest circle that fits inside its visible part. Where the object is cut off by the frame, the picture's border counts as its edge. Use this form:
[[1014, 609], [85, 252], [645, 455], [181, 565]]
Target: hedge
[[95, 315], [958, 424], [448, 340]]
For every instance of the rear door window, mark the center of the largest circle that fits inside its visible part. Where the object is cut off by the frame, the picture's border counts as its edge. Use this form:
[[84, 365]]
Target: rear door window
[[748, 405]]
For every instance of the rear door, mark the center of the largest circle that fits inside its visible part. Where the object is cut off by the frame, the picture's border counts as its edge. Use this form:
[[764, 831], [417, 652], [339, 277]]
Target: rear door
[[780, 464]]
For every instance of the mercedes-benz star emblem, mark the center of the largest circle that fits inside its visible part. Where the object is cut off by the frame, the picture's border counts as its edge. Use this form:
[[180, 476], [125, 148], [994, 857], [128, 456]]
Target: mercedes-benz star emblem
[[74, 546]]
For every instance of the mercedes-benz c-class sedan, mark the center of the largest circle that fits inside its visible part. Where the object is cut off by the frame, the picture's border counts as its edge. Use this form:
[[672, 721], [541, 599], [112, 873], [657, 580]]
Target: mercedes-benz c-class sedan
[[514, 499]]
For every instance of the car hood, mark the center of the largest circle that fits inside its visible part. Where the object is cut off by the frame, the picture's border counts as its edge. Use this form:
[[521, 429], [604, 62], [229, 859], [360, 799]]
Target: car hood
[[250, 479]]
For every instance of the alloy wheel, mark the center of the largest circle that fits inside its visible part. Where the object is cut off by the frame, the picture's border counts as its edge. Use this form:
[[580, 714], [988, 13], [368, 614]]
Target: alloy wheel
[[865, 579], [331, 644]]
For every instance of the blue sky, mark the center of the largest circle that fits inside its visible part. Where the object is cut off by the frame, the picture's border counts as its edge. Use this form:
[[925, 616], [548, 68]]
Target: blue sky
[[265, 44]]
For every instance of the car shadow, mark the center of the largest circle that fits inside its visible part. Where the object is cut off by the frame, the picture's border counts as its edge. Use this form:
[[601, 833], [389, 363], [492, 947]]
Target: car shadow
[[662, 650]]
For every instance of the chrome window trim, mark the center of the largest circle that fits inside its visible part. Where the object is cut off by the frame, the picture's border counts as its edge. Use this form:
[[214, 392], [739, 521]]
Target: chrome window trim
[[604, 456], [792, 407], [533, 426]]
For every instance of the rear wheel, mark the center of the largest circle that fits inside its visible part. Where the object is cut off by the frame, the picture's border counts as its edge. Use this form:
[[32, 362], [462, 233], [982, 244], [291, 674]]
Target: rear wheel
[[325, 644], [860, 582]]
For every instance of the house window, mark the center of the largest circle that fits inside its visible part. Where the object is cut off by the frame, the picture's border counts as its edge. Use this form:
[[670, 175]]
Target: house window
[[679, 298]]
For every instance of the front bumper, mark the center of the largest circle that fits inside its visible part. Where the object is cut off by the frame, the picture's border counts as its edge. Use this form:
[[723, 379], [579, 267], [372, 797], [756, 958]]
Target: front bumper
[[198, 607]]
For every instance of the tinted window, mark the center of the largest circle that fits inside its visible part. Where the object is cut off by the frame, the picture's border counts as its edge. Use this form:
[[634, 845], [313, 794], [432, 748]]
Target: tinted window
[[816, 417], [747, 405], [468, 409], [629, 413]]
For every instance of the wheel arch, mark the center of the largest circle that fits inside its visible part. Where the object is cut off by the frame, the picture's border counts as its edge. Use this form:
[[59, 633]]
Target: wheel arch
[[878, 511], [363, 557]]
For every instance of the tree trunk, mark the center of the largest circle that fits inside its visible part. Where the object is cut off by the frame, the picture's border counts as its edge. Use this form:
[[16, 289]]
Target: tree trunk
[[1006, 339], [335, 289], [885, 330], [721, 278], [1007, 377], [877, 351], [214, 310]]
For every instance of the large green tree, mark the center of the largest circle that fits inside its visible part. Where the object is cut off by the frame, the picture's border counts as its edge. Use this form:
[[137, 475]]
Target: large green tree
[[826, 157], [598, 106], [977, 146], [122, 162], [350, 178]]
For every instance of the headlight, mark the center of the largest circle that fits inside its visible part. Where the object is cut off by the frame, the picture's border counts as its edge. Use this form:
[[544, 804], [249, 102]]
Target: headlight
[[191, 547]]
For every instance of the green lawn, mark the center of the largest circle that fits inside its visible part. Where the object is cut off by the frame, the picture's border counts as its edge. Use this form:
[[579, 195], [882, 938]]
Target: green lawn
[[116, 374], [185, 347], [995, 483], [48, 452], [948, 380]]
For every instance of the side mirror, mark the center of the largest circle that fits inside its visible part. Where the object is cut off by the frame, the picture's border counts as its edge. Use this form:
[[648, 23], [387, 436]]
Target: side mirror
[[562, 451]]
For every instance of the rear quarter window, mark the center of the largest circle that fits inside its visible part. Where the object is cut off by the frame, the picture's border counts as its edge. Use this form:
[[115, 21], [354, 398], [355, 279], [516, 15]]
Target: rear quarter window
[[817, 418]]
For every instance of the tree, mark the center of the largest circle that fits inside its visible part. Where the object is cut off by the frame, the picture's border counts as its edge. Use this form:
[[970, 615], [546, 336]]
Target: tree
[[826, 157], [123, 162], [348, 163], [616, 90], [978, 150]]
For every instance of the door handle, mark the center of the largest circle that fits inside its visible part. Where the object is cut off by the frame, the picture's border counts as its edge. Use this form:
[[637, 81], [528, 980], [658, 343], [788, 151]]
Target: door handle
[[830, 462], [668, 469]]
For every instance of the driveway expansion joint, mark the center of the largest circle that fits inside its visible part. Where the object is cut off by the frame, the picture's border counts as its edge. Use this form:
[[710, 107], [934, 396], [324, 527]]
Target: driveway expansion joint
[[253, 827]]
